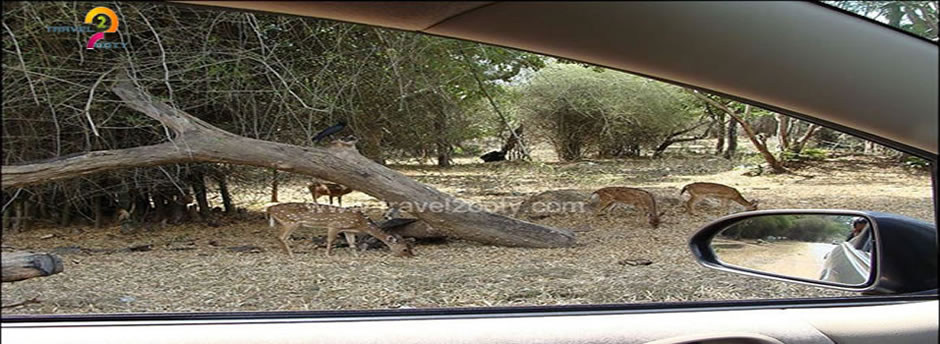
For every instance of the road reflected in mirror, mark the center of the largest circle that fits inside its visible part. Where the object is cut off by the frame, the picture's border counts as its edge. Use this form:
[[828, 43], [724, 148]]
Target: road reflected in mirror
[[832, 248]]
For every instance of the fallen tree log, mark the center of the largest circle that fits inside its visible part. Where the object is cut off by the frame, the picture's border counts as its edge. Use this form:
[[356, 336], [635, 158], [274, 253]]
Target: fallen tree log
[[21, 265], [194, 140], [411, 228]]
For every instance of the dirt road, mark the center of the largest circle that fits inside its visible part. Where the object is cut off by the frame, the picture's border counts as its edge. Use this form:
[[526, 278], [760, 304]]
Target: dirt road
[[791, 258]]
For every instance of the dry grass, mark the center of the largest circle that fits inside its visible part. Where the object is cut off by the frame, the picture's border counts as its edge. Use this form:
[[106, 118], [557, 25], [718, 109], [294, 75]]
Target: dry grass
[[184, 273]]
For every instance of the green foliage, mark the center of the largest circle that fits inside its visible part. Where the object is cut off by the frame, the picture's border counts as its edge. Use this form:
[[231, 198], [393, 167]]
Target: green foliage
[[808, 154], [809, 228], [917, 17], [579, 109], [916, 163]]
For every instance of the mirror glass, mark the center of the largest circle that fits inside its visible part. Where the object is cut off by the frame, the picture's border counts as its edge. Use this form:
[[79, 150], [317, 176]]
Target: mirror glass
[[831, 248]]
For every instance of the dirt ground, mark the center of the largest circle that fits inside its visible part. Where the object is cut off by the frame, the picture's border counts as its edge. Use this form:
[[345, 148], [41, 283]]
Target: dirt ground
[[789, 258], [192, 269]]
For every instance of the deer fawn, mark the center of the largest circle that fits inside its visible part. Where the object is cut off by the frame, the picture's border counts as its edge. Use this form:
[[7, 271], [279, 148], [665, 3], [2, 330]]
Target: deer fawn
[[318, 189], [641, 199], [725, 193], [337, 220]]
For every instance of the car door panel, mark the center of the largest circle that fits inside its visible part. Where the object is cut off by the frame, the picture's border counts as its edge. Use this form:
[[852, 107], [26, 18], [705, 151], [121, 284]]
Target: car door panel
[[914, 322]]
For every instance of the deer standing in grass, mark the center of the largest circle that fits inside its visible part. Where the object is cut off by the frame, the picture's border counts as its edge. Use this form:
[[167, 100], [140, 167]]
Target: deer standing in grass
[[699, 191], [319, 189], [642, 200], [336, 220]]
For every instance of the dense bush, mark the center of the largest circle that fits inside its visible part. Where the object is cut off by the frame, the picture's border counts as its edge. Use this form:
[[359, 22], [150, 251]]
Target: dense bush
[[810, 228], [580, 110]]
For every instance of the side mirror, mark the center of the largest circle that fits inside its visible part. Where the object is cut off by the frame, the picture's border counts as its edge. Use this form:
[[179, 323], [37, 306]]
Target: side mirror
[[866, 252]]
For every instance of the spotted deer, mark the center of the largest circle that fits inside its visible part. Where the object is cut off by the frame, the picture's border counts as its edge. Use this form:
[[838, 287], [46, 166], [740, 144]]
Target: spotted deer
[[319, 189], [643, 201], [349, 221], [699, 191]]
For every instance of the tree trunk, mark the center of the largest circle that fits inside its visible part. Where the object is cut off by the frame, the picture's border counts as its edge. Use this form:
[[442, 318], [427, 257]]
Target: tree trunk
[[444, 148], [274, 185], [6, 218], [96, 208], [27, 213], [443, 156], [720, 133], [732, 140], [775, 164], [66, 218], [894, 14], [197, 141], [223, 190], [719, 122], [198, 181], [141, 204], [42, 209], [801, 143], [783, 131], [18, 266], [18, 221]]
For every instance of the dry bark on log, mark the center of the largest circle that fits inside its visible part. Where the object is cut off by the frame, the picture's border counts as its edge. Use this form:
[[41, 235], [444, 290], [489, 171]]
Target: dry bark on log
[[18, 266], [197, 141], [411, 229]]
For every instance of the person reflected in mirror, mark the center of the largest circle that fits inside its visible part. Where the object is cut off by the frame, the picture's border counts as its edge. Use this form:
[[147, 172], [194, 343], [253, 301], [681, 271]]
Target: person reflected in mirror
[[857, 226], [862, 236]]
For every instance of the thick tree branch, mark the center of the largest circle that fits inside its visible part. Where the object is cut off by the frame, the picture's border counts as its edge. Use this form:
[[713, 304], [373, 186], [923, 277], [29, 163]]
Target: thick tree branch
[[89, 163], [801, 143], [674, 138], [197, 141], [775, 164]]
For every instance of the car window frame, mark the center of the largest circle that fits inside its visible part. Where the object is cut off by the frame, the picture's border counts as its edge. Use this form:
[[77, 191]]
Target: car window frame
[[546, 310]]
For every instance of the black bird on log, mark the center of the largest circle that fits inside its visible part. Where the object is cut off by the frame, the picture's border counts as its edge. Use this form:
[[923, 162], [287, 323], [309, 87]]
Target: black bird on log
[[493, 156], [329, 131]]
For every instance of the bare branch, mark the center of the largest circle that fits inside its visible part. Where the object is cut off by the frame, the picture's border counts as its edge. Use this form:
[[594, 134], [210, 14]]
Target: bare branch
[[91, 96], [166, 70], [19, 55]]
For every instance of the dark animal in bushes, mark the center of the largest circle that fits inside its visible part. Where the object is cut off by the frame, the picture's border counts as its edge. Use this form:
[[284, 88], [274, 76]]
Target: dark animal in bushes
[[494, 156], [329, 131]]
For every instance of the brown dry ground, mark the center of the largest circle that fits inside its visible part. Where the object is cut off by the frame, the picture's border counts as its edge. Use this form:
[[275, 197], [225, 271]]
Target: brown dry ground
[[184, 273], [789, 258]]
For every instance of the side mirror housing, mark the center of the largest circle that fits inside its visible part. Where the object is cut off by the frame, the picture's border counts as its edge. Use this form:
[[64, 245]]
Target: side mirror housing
[[868, 252]]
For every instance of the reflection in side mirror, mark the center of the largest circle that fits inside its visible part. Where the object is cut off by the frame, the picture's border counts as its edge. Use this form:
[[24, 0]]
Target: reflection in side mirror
[[832, 248]]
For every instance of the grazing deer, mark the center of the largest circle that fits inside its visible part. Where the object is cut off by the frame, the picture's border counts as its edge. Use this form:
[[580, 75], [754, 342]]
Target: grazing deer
[[318, 189], [337, 220], [642, 200], [725, 193]]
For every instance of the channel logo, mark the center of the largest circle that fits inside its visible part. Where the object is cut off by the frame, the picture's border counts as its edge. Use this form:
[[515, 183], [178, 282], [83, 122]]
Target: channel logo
[[100, 14], [102, 20]]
